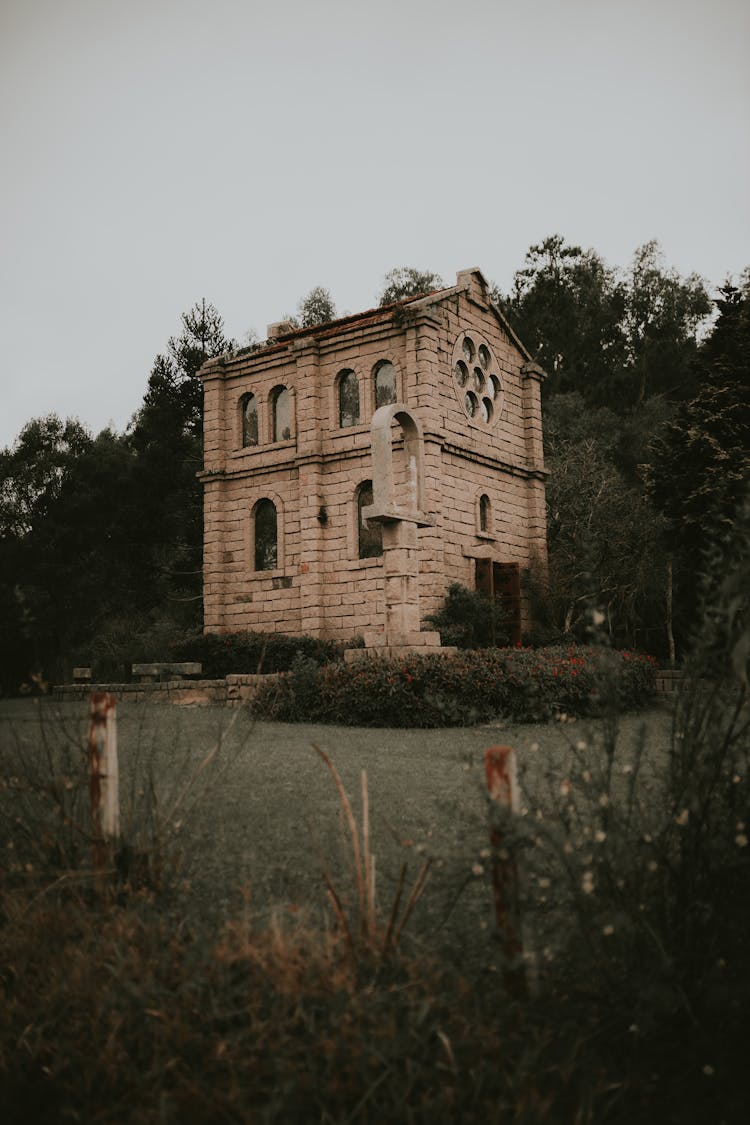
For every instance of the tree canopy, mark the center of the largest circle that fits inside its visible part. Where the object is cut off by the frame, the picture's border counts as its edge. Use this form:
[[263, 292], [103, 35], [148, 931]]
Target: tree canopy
[[316, 308], [406, 281]]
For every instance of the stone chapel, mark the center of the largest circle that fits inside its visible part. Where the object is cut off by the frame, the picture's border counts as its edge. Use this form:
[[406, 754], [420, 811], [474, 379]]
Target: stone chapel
[[318, 442]]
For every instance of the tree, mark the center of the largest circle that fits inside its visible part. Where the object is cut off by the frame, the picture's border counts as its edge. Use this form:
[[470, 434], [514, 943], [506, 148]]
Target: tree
[[604, 549], [316, 308], [662, 315], [166, 438], [33, 470], [700, 459], [405, 281], [67, 558], [174, 395], [567, 307]]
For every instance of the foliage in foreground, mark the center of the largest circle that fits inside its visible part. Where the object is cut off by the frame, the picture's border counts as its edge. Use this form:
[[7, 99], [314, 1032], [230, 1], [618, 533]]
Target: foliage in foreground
[[523, 685]]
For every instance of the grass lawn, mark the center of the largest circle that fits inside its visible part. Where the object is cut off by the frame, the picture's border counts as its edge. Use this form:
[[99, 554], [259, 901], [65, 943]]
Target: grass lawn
[[245, 829]]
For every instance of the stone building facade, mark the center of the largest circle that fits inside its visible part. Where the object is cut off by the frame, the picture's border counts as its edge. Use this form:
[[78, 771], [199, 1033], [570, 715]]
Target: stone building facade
[[288, 467]]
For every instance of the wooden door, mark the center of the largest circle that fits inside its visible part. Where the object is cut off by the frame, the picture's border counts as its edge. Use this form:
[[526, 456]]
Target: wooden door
[[502, 581]]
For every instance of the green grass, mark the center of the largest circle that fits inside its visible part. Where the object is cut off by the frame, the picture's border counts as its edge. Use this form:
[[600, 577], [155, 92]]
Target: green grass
[[245, 829]]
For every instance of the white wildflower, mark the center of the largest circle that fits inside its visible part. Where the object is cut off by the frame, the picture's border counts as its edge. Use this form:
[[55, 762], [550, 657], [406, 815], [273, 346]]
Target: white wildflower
[[604, 800], [581, 744], [477, 869], [543, 883], [485, 853], [600, 836], [608, 930], [741, 840], [683, 818], [708, 1070], [564, 788], [587, 883]]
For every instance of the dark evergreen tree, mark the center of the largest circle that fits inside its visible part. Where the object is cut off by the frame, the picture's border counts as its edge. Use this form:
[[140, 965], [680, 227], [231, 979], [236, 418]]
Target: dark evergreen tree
[[166, 438], [700, 459]]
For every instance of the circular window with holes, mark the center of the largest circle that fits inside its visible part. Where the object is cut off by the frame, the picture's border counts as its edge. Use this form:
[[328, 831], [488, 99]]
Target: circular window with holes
[[476, 380]]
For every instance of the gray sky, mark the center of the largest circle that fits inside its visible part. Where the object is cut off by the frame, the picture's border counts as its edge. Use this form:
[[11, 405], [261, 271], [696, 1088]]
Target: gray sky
[[159, 151]]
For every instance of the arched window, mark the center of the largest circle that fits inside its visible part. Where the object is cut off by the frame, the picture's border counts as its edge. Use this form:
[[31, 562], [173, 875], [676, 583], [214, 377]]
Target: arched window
[[348, 399], [281, 414], [385, 384], [249, 420], [485, 513], [369, 536], [265, 535]]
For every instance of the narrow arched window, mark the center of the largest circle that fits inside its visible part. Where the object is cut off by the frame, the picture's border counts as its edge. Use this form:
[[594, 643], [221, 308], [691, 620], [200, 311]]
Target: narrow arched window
[[281, 414], [385, 384], [265, 535], [348, 399], [369, 535], [485, 513], [249, 420]]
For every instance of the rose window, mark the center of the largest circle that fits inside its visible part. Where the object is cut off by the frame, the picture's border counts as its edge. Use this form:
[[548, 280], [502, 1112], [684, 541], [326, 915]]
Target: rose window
[[476, 379]]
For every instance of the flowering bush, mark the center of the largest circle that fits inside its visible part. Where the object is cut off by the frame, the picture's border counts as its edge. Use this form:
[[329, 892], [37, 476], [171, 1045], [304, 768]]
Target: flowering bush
[[524, 685]]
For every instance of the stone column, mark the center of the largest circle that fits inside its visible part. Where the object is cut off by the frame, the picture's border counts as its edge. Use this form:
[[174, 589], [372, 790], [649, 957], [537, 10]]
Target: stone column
[[399, 517]]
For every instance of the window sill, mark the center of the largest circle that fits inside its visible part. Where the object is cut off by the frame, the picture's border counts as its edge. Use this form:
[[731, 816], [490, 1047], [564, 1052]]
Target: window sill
[[266, 447], [365, 564], [486, 536]]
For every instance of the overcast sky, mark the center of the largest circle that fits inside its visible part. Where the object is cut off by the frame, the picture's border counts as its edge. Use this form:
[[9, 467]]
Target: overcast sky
[[159, 151]]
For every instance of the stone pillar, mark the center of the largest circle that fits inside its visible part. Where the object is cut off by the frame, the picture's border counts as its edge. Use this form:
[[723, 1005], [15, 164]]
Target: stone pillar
[[399, 516]]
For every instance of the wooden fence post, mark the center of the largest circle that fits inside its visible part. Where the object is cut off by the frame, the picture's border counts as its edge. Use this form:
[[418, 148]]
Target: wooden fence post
[[103, 776], [502, 785]]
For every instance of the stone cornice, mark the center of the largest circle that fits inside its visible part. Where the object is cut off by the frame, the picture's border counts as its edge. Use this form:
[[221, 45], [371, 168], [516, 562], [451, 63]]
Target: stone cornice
[[489, 461], [298, 460]]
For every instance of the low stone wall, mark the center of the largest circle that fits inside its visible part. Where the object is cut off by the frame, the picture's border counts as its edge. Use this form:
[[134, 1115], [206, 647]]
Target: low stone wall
[[668, 680], [232, 690]]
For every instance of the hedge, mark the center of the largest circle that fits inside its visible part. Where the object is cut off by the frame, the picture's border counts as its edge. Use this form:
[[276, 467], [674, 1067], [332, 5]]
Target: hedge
[[224, 654], [520, 684]]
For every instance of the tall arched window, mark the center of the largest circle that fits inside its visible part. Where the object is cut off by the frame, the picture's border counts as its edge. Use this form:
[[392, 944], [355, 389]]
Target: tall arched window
[[249, 420], [265, 535], [281, 414], [369, 536], [485, 513], [385, 384], [348, 399]]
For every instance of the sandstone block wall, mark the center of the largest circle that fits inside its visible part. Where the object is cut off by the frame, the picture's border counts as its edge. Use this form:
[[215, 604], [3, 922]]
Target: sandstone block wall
[[320, 585]]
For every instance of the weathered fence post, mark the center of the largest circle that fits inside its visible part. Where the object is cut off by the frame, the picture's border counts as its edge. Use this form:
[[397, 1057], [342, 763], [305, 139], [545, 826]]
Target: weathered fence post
[[502, 784], [103, 776]]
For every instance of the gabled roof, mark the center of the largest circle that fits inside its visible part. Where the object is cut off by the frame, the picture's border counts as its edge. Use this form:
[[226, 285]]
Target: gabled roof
[[381, 314]]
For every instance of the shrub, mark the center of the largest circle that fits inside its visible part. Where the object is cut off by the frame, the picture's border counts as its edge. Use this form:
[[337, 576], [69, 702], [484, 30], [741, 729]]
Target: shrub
[[470, 619], [524, 685], [222, 654]]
